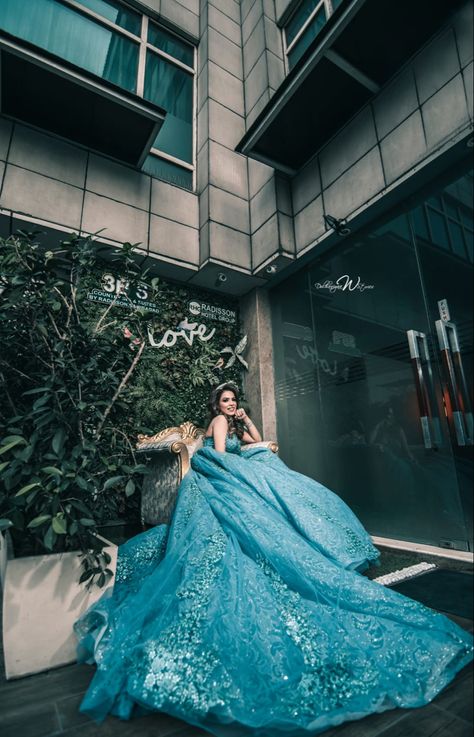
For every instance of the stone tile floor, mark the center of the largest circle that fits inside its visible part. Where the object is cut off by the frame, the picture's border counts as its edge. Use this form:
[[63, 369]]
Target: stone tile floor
[[46, 705]]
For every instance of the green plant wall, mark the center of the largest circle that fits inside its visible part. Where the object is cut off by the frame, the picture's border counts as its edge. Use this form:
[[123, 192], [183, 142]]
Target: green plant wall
[[172, 383]]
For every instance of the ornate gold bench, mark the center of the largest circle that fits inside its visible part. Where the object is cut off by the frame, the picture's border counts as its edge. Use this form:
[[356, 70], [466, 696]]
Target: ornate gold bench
[[169, 453]]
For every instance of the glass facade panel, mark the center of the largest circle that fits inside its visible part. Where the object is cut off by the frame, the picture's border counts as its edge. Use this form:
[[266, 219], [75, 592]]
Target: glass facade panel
[[296, 377], [307, 37], [73, 37], [470, 244], [436, 201], [451, 209], [467, 218], [419, 222], [171, 88], [171, 45], [364, 403], [169, 172], [439, 228], [457, 239], [118, 14], [449, 278]]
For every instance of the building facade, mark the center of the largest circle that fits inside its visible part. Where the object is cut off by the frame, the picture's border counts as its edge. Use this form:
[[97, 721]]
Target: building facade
[[312, 158]]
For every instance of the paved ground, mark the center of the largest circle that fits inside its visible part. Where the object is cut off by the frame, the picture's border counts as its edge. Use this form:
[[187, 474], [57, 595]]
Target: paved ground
[[47, 704]]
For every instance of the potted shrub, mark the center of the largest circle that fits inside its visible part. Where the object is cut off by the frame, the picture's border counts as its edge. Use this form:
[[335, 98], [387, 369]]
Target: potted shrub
[[67, 462]]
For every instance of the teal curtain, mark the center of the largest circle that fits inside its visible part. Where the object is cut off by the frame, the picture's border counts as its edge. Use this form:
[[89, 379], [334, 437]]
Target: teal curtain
[[72, 36], [314, 28], [118, 14], [299, 19], [171, 45], [171, 88]]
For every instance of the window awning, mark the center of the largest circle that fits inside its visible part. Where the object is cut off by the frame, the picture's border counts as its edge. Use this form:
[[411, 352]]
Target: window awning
[[360, 48], [57, 98]]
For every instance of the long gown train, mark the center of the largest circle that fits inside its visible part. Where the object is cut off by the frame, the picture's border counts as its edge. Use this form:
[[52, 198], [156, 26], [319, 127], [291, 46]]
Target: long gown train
[[247, 615]]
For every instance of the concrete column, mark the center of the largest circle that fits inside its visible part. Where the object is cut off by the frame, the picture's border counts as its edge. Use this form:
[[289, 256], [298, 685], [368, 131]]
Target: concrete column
[[259, 381]]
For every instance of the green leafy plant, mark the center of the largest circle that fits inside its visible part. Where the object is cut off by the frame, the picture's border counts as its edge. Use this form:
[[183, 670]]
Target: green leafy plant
[[172, 385], [67, 453], [79, 380]]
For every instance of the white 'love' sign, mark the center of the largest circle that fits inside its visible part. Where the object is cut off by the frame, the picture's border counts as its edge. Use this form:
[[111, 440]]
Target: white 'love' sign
[[185, 330]]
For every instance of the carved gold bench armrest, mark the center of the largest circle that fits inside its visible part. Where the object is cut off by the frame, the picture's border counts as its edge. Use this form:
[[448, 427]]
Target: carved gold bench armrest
[[187, 433], [182, 440], [270, 444]]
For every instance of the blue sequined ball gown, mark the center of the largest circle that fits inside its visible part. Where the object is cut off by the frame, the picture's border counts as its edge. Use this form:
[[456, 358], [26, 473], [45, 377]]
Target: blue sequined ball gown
[[247, 614]]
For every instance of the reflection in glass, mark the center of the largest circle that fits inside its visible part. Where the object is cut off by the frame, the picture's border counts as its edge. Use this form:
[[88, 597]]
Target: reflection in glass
[[439, 229], [451, 209], [457, 239], [419, 222], [467, 218], [470, 244], [74, 37], [296, 388]]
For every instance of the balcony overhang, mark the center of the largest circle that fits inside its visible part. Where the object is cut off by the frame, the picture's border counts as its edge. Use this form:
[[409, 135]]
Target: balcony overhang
[[363, 44], [60, 99]]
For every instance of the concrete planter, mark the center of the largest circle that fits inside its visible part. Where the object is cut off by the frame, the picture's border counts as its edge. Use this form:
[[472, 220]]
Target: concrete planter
[[41, 601]]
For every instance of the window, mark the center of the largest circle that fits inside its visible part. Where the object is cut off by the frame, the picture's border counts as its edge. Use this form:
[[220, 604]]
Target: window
[[169, 82], [123, 47], [305, 24]]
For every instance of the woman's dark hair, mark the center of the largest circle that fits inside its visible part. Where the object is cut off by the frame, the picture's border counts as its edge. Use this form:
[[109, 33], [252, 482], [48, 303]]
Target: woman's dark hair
[[235, 425]]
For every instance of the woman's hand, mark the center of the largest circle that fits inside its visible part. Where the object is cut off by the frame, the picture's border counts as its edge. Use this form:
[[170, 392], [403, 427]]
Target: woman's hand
[[253, 435]]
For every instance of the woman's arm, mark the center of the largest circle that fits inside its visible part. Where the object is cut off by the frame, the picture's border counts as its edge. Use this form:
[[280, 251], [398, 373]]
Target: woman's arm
[[219, 432], [246, 438], [251, 435]]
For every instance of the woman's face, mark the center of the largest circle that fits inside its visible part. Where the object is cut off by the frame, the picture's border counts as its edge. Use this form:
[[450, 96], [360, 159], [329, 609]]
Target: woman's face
[[227, 403]]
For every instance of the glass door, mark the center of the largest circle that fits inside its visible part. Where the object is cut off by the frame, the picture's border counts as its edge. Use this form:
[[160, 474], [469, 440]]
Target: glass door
[[373, 362], [443, 230]]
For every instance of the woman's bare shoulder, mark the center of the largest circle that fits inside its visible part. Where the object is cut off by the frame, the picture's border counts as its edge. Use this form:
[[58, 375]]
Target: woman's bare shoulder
[[219, 421]]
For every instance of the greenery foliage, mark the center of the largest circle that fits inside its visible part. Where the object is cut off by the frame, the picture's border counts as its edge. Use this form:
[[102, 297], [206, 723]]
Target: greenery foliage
[[80, 379], [172, 384]]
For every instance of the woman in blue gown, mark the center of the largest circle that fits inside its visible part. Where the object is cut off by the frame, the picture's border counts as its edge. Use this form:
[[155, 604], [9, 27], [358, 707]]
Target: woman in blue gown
[[248, 616]]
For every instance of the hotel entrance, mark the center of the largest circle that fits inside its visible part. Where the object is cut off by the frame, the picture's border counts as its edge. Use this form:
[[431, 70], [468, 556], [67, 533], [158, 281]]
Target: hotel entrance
[[373, 364]]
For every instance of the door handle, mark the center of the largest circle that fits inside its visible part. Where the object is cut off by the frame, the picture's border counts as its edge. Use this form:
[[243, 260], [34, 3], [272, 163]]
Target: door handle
[[455, 379], [420, 359]]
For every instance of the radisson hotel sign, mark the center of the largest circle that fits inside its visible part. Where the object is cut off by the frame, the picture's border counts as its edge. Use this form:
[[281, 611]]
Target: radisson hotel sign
[[211, 312]]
